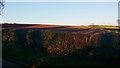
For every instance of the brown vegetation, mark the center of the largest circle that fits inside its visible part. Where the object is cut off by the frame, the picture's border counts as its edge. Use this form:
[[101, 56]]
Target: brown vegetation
[[89, 43]]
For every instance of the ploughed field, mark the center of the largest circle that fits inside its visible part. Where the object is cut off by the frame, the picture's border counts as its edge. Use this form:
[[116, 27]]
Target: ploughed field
[[53, 45]]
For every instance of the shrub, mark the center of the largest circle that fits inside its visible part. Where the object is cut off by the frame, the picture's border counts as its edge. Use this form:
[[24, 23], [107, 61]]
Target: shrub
[[9, 36]]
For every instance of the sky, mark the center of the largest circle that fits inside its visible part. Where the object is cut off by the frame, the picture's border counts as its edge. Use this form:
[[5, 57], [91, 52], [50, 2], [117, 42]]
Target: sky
[[61, 0], [62, 13]]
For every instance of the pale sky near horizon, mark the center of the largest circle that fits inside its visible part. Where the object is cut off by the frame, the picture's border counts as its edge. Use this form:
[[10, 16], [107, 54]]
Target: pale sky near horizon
[[68, 13], [62, 0]]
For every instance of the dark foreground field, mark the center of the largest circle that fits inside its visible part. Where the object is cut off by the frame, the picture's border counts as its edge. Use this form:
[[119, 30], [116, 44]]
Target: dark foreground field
[[51, 45]]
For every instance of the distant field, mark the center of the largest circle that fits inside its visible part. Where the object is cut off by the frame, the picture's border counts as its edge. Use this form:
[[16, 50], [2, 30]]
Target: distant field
[[52, 45], [104, 26], [39, 26], [55, 26]]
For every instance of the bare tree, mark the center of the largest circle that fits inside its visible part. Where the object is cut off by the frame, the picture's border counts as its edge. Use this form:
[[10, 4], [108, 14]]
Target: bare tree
[[1, 6], [119, 13]]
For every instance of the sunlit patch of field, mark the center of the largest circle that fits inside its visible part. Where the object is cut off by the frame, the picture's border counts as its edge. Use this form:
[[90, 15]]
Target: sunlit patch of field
[[104, 26], [58, 28], [41, 26]]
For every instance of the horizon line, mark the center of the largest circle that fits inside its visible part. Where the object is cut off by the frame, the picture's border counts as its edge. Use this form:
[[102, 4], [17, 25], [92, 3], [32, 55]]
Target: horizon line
[[57, 23]]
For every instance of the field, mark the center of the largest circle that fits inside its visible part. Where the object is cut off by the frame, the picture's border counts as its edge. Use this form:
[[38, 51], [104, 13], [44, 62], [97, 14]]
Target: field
[[104, 26], [52, 45]]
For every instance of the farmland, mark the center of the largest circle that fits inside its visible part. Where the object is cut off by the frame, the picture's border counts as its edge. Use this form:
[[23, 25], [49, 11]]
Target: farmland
[[104, 26], [53, 45]]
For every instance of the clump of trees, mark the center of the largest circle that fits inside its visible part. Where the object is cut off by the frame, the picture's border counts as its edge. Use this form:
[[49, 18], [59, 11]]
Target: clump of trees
[[93, 44]]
